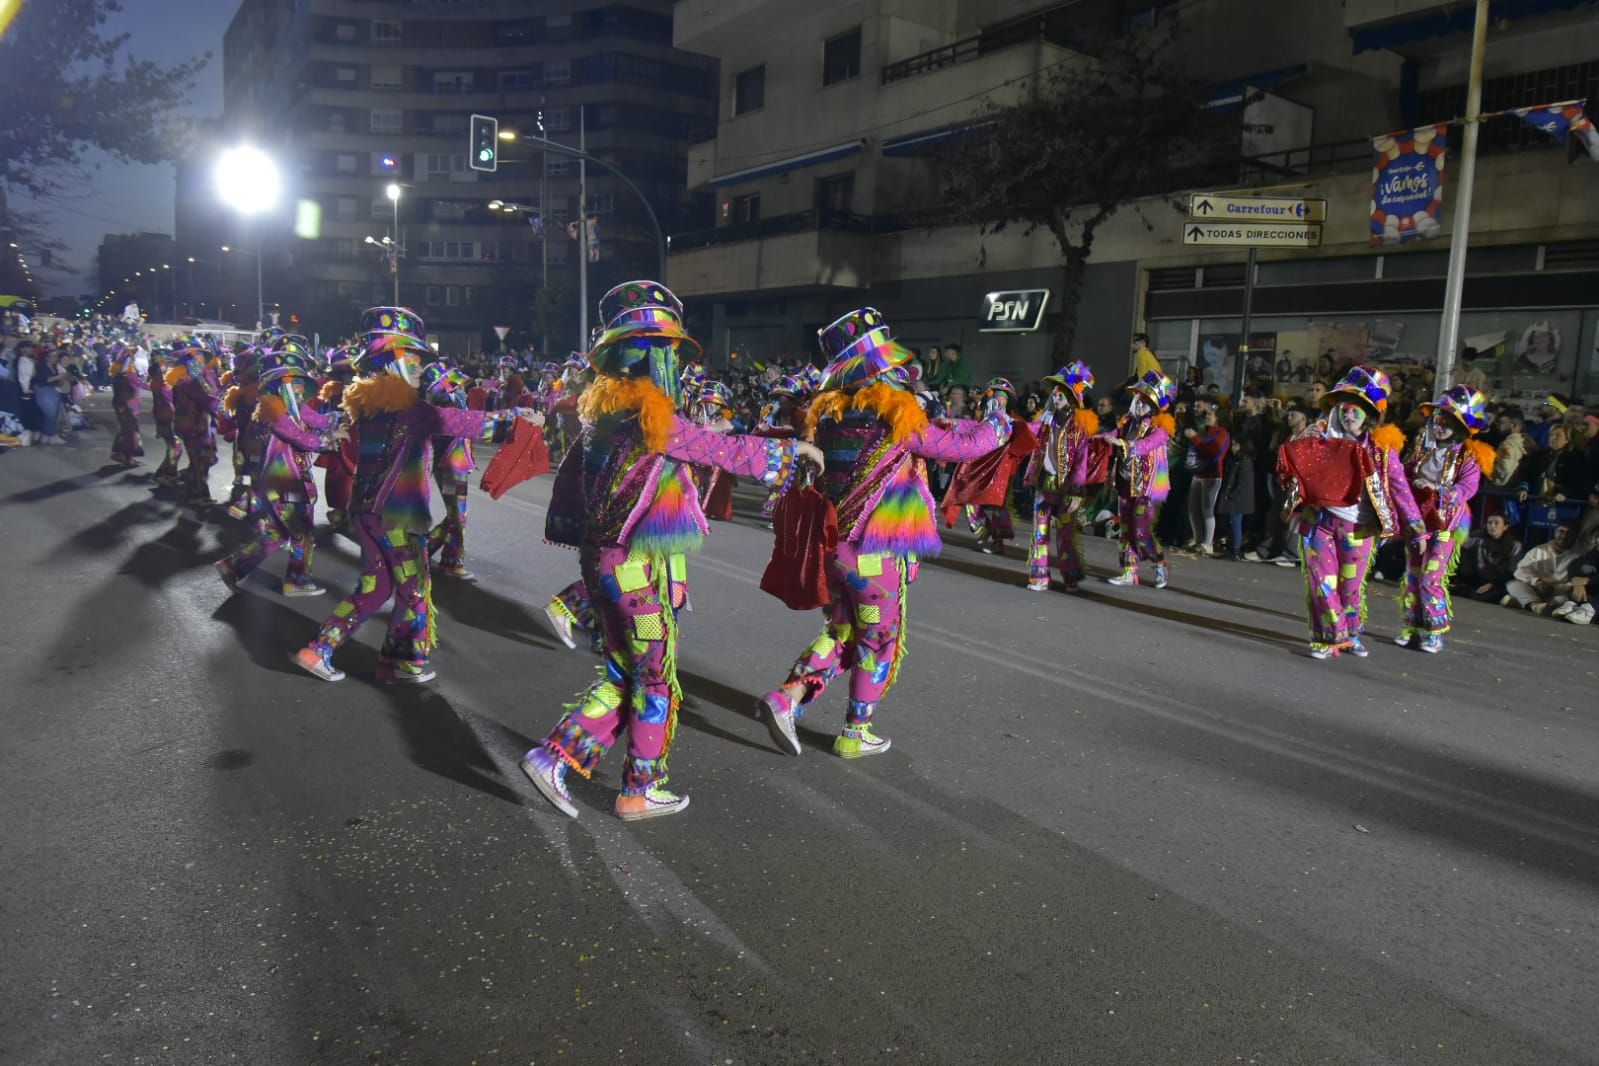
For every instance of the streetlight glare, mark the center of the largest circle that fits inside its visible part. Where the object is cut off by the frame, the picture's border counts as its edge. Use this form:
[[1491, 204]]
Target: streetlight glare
[[247, 180], [507, 135], [392, 192]]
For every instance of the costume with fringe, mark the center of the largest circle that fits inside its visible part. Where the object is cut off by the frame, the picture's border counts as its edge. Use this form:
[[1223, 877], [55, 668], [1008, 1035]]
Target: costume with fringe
[[1337, 542], [236, 425], [1055, 473], [194, 408], [624, 498], [453, 464], [161, 412], [391, 515], [1143, 481], [1458, 467], [284, 489], [126, 383], [874, 440]]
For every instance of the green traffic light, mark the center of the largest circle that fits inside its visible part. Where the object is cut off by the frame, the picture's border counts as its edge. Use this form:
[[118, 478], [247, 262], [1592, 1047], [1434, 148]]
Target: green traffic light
[[485, 154]]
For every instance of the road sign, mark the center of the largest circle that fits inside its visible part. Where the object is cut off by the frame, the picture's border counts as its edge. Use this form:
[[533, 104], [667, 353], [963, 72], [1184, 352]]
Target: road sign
[[1214, 208], [1254, 234], [1021, 311]]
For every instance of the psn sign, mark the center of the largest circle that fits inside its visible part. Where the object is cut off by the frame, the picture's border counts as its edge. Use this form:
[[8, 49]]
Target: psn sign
[[1021, 311]]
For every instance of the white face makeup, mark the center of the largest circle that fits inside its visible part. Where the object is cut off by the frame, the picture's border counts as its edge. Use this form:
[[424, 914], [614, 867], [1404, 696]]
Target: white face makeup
[[407, 367], [1140, 407], [1059, 400], [1443, 427], [1352, 417]]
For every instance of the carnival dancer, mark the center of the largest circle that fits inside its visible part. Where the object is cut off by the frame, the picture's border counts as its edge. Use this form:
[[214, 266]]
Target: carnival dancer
[[453, 463], [713, 410], [126, 383], [1445, 466], [782, 416], [980, 488], [1058, 474], [389, 506], [192, 379], [624, 498], [874, 435], [161, 411], [1142, 478], [283, 488], [1352, 450], [338, 465], [235, 425]]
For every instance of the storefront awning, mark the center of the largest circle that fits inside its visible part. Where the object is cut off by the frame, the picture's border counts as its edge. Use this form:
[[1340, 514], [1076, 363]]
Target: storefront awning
[[793, 162], [1453, 18], [911, 143]]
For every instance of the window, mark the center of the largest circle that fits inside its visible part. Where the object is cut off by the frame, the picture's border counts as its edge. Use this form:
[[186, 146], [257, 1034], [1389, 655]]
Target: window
[[382, 209], [344, 247], [603, 203], [557, 168], [557, 120], [452, 296], [335, 121], [512, 81], [453, 81], [433, 295], [450, 123], [833, 195], [557, 72], [470, 294], [344, 75], [344, 31], [510, 33], [385, 31], [344, 208], [387, 120], [441, 166], [450, 210], [749, 90], [344, 163], [841, 57], [385, 164], [386, 78], [747, 208]]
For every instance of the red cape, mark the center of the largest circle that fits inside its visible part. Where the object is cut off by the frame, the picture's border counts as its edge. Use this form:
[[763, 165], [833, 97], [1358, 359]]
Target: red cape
[[521, 457], [987, 480]]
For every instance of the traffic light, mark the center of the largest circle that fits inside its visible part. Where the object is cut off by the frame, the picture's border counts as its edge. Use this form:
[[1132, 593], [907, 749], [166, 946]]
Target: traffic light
[[485, 154]]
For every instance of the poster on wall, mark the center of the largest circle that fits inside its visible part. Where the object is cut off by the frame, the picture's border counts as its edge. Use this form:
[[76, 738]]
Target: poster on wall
[[1407, 185], [1538, 350], [1215, 363]]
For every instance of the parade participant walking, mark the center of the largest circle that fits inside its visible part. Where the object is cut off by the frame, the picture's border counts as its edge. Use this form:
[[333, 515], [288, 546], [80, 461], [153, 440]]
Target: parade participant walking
[[338, 465], [1142, 477], [283, 487], [1445, 467], [1346, 486], [980, 488], [874, 435], [236, 426], [1058, 473], [126, 383], [453, 463], [625, 499], [389, 504], [161, 412], [195, 396]]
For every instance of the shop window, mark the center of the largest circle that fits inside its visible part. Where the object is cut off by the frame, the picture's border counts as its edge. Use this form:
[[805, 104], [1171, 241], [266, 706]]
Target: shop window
[[841, 57], [749, 90]]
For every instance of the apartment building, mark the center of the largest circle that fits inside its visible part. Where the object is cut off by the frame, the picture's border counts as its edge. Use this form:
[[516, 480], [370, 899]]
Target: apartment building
[[827, 112], [359, 95]]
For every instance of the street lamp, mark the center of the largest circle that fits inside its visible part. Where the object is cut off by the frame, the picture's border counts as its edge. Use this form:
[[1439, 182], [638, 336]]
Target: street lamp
[[392, 191], [391, 254], [248, 181]]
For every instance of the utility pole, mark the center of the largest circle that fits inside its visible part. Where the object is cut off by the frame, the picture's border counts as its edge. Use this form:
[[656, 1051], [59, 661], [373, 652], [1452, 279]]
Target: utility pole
[[582, 230], [544, 229], [1455, 279]]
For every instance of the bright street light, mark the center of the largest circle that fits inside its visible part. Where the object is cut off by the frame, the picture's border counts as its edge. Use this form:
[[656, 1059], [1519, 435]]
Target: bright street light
[[392, 192], [247, 180], [507, 135]]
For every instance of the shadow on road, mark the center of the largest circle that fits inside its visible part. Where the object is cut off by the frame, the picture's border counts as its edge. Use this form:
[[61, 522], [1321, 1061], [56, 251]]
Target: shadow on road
[[60, 488], [476, 608], [714, 692], [454, 743]]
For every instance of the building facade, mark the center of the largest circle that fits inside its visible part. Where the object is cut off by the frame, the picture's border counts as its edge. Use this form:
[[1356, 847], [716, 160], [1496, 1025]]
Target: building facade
[[141, 267], [818, 160], [358, 96]]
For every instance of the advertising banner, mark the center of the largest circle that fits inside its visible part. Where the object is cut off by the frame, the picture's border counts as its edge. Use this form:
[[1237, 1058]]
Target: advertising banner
[[1407, 185]]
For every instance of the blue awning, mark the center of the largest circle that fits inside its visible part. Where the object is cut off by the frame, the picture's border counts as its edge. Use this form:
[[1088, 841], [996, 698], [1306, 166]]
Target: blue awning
[[1447, 19], [1231, 94], [910, 143], [781, 166]]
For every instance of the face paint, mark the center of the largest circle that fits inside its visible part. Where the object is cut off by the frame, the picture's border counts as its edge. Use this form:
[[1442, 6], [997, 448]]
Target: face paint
[[1140, 407], [1059, 399], [1443, 427], [407, 367], [663, 367], [1352, 417]]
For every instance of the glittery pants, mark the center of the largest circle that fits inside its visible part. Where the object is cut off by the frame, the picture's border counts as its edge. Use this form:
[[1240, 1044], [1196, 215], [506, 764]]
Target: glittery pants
[[1337, 558], [1052, 509], [1137, 515], [637, 691], [862, 632], [990, 521], [393, 564], [202, 457], [129, 444], [1424, 605], [279, 522], [169, 465], [450, 534]]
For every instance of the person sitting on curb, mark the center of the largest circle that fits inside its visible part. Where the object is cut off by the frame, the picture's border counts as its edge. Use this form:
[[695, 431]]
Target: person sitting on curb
[[1543, 577]]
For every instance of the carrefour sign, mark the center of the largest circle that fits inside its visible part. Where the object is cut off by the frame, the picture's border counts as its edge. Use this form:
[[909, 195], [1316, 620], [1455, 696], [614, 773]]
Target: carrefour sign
[[1021, 311]]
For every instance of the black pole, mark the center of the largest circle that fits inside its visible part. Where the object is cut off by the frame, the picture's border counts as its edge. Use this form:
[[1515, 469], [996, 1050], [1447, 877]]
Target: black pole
[[1243, 345], [660, 237]]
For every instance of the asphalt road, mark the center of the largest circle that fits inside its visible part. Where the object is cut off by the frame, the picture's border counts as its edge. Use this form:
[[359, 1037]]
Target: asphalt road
[[1123, 826]]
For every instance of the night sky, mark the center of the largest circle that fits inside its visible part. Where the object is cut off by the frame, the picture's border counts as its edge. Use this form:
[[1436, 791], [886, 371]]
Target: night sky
[[131, 199]]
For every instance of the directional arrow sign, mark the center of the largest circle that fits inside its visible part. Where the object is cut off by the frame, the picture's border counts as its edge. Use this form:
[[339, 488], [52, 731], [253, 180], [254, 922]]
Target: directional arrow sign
[[1259, 234], [1214, 207]]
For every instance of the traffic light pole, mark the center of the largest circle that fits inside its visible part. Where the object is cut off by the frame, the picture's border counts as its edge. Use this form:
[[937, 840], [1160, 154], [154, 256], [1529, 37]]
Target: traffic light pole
[[576, 153]]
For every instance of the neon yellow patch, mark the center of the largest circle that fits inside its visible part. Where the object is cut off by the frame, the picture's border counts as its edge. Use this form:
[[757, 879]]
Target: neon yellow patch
[[369, 583], [677, 567], [631, 576], [1347, 572], [407, 570], [396, 538], [870, 565], [345, 609], [649, 626], [869, 614]]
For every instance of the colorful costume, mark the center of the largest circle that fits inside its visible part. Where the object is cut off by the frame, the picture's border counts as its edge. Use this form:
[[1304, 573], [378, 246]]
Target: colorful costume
[[235, 424], [161, 411], [980, 488], [1345, 482], [453, 464], [874, 436], [1142, 478], [1444, 474], [194, 406], [126, 382], [712, 409], [625, 499], [389, 505], [1059, 472], [283, 486]]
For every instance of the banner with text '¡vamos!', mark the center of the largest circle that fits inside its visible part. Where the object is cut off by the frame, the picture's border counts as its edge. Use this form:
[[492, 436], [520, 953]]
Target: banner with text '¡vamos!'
[[1565, 121], [1407, 184]]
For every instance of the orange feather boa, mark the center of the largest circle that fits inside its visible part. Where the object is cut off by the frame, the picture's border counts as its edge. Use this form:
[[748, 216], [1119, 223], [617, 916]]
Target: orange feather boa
[[1484, 454], [1086, 421], [610, 395], [379, 395], [268, 409], [897, 407], [1388, 438], [1166, 422]]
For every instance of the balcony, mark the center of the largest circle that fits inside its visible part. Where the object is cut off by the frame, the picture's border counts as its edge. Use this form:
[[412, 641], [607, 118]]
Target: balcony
[[805, 250], [1071, 26], [719, 27]]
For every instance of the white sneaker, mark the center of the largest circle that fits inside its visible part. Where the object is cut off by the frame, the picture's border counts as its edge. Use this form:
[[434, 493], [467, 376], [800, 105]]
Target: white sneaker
[[1564, 609], [560, 622], [1582, 616], [781, 722], [548, 775]]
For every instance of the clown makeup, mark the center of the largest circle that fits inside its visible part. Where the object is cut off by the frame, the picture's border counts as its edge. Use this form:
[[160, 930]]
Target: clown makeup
[[406, 366], [1352, 418], [1443, 427], [1060, 399], [1140, 408]]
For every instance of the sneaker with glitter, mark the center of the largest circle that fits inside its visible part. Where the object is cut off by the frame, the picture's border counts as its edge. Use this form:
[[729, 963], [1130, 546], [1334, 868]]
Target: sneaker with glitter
[[779, 715], [560, 621], [858, 741], [1126, 577], [303, 588], [1432, 643], [548, 775], [404, 674], [1162, 575], [315, 659], [651, 803], [1357, 648]]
